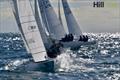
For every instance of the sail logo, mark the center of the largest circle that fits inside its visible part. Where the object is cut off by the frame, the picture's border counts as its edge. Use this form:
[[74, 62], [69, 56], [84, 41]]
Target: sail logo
[[31, 27], [98, 4]]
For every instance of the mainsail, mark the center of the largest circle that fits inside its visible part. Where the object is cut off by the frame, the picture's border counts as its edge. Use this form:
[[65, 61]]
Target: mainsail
[[72, 24], [56, 29], [30, 29]]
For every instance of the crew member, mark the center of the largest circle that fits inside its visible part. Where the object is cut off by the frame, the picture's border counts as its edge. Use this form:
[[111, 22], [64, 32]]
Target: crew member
[[86, 38], [83, 38], [54, 50], [67, 38]]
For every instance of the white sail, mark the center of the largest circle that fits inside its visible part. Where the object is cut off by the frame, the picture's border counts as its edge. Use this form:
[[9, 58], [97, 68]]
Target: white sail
[[21, 32], [30, 30], [56, 29], [72, 24]]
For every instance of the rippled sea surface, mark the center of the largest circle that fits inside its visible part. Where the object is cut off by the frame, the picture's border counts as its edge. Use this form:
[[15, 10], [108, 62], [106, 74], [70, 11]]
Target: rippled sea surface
[[91, 62]]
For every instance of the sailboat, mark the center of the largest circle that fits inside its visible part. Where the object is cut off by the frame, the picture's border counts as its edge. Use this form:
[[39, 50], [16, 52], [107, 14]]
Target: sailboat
[[73, 26], [41, 31], [34, 36]]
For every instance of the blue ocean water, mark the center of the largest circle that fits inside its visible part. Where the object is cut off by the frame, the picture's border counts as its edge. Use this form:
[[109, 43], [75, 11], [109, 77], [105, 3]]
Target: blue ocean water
[[91, 62]]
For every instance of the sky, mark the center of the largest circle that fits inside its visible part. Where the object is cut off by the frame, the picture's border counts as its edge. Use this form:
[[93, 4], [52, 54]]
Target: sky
[[90, 19]]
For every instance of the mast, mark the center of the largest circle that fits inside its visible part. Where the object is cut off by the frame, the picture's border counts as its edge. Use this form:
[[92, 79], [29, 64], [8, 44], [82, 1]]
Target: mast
[[72, 24], [56, 29], [30, 29]]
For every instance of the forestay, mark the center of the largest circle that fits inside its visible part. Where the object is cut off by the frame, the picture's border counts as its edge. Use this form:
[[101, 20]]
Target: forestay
[[56, 29], [72, 24], [30, 30]]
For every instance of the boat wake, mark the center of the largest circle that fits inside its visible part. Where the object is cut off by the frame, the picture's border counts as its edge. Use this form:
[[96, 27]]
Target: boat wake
[[68, 62]]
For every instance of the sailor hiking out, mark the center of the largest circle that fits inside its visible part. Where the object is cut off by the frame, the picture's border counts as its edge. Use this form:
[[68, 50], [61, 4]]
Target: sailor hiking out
[[72, 24]]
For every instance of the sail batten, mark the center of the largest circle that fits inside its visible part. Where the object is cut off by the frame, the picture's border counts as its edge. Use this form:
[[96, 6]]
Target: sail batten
[[72, 24], [29, 29]]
